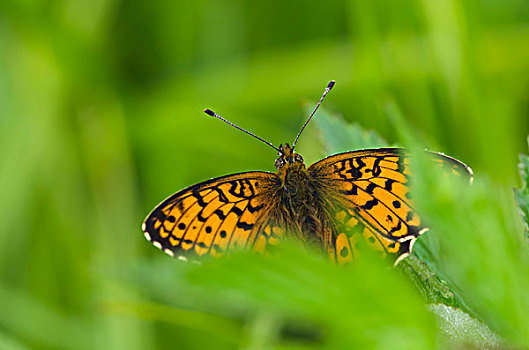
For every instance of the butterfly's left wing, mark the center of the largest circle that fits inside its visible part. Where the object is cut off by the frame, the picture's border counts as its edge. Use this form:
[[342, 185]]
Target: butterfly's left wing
[[215, 216], [373, 188]]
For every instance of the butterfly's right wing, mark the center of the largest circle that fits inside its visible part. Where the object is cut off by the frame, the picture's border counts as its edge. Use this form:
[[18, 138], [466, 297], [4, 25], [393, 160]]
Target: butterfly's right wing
[[373, 188], [215, 216]]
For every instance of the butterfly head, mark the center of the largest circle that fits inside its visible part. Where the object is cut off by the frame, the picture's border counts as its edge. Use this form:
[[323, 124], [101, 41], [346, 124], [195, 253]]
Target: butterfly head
[[287, 156]]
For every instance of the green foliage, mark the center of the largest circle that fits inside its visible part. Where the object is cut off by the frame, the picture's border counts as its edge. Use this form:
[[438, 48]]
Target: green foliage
[[522, 194], [335, 135], [292, 298], [101, 118], [295, 288], [423, 275], [470, 249], [462, 329]]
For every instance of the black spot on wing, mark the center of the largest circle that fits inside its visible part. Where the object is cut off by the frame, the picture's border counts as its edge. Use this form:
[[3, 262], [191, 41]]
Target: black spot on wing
[[356, 172], [244, 225], [376, 166], [252, 209], [236, 211], [200, 217], [388, 185], [396, 228], [198, 197], [369, 204], [371, 188], [220, 214]]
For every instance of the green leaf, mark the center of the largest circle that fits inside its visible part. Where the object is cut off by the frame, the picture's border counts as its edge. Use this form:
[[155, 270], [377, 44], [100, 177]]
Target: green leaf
[[432, 288], [349, 306], [482, 255], [459, 327], [337, 135]]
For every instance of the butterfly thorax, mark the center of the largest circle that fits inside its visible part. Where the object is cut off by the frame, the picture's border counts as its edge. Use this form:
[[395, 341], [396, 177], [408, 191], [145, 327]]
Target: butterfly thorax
[[292, 173], [298, 200]]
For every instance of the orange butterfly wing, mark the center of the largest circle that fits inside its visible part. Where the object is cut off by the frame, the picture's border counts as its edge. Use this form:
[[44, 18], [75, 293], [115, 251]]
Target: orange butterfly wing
[[235, 212], [374, 191], [214, 216]]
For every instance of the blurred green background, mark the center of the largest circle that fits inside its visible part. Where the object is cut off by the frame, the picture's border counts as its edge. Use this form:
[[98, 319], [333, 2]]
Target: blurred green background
[[101, 118]]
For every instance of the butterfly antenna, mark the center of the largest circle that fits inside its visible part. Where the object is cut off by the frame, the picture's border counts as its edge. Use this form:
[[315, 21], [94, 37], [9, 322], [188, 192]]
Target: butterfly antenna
[[213, 114], [327, 89]]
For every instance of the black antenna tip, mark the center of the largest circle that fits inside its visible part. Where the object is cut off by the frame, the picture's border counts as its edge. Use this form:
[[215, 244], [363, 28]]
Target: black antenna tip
[[209, 112], [331, 84]]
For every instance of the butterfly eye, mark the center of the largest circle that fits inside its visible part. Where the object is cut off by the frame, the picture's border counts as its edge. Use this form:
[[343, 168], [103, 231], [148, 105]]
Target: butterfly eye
[[279, 163], [298, 158]]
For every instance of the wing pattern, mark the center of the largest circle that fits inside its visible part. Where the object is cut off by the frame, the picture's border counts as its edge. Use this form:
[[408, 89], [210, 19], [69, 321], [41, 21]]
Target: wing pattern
[[374, 189], [214, 216]]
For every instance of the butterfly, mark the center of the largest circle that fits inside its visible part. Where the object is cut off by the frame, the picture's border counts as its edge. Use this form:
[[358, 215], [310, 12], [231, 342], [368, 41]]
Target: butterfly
[[332, 204]]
